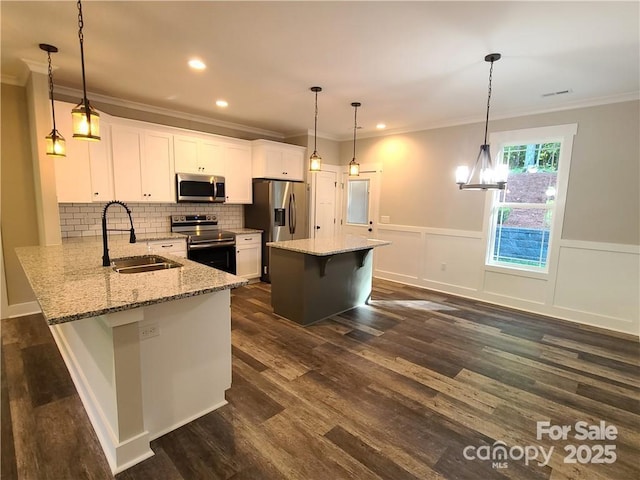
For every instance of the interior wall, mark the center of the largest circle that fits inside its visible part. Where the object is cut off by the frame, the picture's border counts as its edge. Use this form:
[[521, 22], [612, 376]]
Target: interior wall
[[18, 208], [437, 233], [603, 195]]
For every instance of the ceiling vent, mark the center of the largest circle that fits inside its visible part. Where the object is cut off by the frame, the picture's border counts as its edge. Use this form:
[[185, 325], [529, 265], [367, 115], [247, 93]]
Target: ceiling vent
[[559, 92]]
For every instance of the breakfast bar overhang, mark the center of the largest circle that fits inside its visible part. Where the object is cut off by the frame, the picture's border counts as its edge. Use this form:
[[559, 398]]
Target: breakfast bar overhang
[[313, 279]]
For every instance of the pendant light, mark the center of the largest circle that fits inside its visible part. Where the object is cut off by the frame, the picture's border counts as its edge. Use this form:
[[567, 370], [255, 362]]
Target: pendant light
[[315, 160], [484, 176], [55, 142], [86, 120], [354, 167]]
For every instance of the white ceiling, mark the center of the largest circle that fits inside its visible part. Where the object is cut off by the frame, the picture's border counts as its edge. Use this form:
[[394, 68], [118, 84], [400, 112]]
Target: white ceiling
[[413, 65]]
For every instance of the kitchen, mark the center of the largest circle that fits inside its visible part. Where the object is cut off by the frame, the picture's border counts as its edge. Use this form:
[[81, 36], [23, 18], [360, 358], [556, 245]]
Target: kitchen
[[441, 221]]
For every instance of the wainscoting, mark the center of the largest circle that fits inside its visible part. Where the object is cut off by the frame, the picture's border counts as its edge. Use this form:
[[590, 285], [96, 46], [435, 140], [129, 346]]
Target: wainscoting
[[588, 282]]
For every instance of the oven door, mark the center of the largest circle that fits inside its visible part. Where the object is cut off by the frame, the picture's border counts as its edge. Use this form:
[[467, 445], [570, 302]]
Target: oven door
[[222, 257]]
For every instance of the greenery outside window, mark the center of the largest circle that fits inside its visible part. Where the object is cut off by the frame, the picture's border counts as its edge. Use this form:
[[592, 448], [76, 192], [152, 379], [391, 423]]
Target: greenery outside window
[[524, 222]]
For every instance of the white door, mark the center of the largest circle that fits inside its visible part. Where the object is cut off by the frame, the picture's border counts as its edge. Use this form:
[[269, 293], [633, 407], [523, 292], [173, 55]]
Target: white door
[[360, 204], [324, 225]]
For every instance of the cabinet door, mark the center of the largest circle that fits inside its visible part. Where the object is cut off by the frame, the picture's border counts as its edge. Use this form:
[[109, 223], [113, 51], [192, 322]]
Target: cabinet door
[[273, 163], [248, 261], [293, 164], [210, 157], [157, 168], [101, 171], [126, 144], [237, 174], [73, 172], [185, 150]]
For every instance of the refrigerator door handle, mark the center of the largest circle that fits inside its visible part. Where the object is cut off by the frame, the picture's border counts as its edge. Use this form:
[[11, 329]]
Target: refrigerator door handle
[[292, 213]]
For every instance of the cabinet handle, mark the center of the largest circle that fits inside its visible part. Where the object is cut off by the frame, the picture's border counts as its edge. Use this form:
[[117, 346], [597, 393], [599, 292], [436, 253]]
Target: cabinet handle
[[167, 246], [249, 238], [96, 193]]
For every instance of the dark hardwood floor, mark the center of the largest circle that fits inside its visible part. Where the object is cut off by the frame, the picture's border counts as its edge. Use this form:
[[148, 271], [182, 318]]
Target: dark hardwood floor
[[399, 389]]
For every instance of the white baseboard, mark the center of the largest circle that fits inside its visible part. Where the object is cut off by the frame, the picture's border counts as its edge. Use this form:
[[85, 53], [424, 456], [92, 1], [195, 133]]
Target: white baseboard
[[22, 309]]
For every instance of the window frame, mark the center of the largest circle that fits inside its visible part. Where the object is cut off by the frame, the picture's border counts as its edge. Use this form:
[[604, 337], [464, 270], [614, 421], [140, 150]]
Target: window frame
[[498, 140]]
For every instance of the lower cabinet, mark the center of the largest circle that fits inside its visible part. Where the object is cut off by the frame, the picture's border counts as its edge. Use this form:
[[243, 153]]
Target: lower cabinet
[[249, 255], [174, 246]]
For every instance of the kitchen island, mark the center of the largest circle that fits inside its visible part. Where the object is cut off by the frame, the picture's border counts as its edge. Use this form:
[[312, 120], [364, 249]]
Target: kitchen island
[[313, 279], [147, 352]]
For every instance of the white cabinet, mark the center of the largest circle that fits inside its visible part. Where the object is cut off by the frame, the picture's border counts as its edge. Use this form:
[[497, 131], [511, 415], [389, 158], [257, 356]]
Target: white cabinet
[[84, 175], [249, 255], [195, 154], [277, 160], [237, 173], [142, 164], [174, 246], [212, 155]]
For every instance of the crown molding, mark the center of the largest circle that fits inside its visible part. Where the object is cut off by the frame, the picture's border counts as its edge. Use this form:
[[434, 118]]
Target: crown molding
[[12, 80], [117, 102], [37, 67], [585, 103], [309, 132]]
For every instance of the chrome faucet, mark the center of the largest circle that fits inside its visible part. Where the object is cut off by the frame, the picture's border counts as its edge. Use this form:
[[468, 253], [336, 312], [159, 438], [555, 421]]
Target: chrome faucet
[[132, 234]]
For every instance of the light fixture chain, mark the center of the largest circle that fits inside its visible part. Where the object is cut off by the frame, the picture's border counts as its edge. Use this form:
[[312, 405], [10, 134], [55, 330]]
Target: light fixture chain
[[84, 81], [315, 126], [355, 127], [53, 111], [486, 123]]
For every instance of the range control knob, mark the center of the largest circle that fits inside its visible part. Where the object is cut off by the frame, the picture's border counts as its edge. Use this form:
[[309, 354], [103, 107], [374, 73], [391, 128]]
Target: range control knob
[[182, 218]]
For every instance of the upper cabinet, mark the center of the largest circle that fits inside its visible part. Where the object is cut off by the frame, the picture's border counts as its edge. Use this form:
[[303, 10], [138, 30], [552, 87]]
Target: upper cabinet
[[277, 160], [84, 175], [142, 164], [137, 161], [198, 154], [214, 155]]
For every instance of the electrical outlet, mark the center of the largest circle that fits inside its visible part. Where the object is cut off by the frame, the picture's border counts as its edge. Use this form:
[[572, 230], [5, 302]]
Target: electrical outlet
[[149, 330]]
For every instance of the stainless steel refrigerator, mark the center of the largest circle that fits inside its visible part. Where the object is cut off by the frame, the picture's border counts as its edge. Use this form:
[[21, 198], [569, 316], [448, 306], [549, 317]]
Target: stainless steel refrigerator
[[280, 210]]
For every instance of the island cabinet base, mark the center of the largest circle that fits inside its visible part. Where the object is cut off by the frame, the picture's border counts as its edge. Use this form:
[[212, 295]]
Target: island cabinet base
[[136, 387], [308, 288]]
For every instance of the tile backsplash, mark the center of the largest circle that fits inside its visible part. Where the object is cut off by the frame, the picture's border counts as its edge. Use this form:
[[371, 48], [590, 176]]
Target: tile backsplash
[[85, 219]]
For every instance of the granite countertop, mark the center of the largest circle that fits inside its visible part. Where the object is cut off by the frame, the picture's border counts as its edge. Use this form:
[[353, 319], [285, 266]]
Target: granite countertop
[[322, 247], [242, 231], [70, 282]]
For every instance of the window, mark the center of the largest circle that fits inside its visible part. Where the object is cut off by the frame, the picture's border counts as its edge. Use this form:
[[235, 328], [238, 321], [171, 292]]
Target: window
[[524, 216], [358, 201]]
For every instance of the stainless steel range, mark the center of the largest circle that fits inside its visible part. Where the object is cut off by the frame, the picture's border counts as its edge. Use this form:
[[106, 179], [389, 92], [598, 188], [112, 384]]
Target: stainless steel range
[[206, 243]]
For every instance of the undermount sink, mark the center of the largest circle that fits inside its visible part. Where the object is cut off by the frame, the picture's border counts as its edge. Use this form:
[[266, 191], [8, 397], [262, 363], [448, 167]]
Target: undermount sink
[[143, 263]]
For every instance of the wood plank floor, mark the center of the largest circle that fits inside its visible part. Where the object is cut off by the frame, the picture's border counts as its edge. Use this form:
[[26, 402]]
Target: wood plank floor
[[398, 389]]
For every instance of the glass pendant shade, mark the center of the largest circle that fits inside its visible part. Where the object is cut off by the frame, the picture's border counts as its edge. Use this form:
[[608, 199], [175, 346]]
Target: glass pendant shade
[[55, 144], [315, 162], [85, 128], [483, 175], [354, 168]]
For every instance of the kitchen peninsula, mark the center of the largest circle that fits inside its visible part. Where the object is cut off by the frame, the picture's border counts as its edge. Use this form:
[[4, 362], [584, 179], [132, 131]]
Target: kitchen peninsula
[[148, 352], [312, 279]]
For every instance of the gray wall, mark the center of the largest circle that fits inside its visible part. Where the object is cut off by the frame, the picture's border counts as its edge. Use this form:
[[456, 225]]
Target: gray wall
[[603, 198]]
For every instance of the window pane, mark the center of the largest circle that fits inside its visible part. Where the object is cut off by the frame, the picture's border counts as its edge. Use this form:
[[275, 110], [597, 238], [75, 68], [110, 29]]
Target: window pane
[[521, 236], [358, 201], [533, 170]]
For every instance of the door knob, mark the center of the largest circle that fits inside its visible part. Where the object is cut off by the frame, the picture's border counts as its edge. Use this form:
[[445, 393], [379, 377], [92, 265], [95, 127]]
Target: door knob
[[370, 229], [317, 227]]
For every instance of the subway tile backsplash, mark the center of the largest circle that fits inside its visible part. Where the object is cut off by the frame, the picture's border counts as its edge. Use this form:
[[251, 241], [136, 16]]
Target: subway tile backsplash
[[85, 219]]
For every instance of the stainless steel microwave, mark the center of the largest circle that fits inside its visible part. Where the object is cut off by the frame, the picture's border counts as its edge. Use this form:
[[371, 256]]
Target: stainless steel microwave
[[200, 188]]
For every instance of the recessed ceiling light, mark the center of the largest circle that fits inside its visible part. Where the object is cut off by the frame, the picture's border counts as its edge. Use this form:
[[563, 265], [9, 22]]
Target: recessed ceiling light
[[197, 64], [381, 126], [222, 103]]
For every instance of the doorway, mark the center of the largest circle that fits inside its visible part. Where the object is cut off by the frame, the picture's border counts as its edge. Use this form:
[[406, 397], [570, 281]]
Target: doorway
[[324, 211], [359, 210]]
